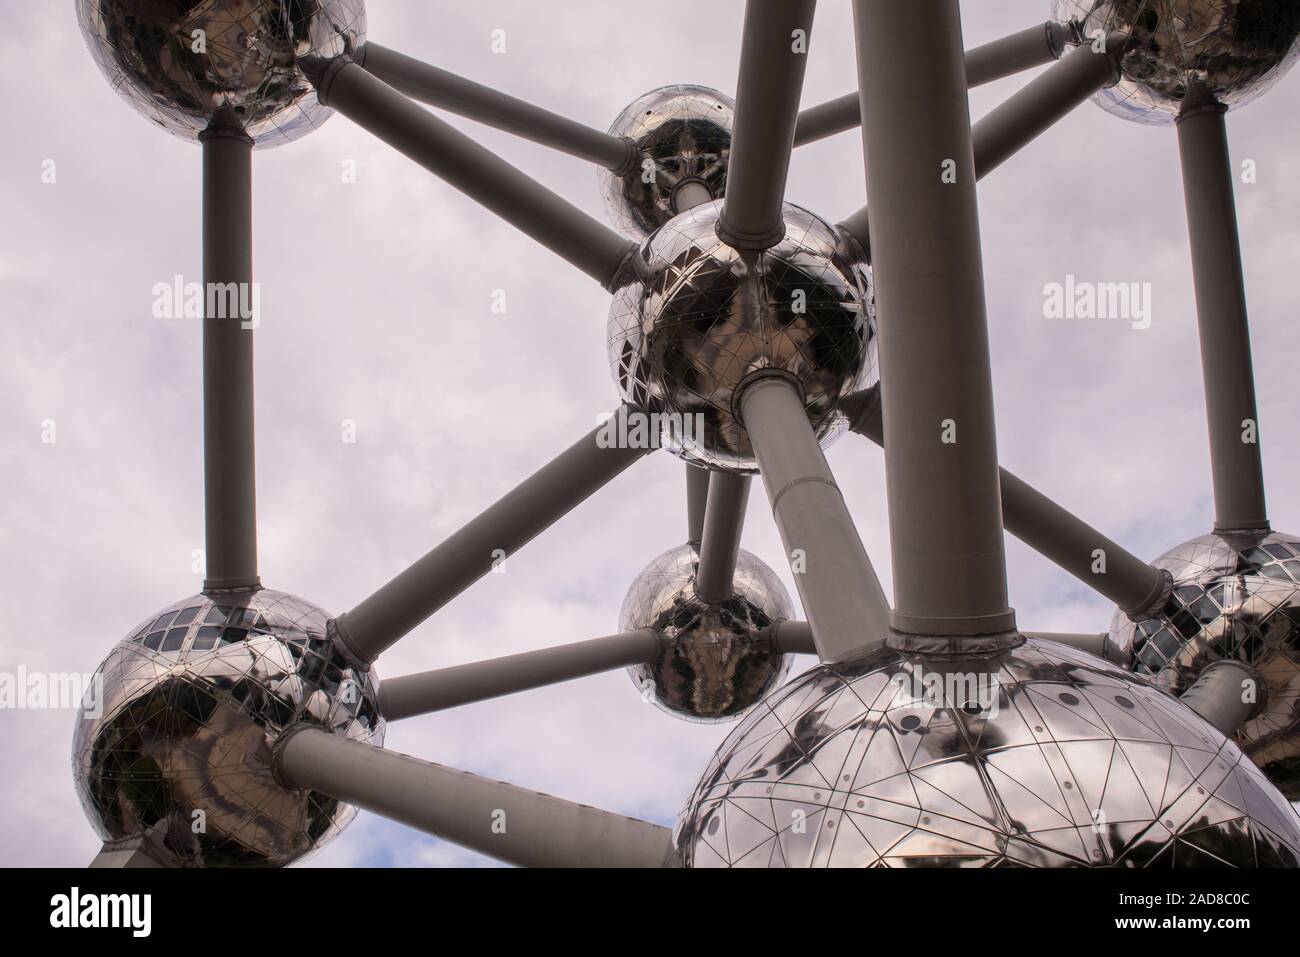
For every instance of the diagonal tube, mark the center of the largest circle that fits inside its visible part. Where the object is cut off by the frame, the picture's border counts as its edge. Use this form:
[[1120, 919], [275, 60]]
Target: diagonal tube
[[1012, 54], [508, 823], [724, 520], [1221, 316], [229, 480], [447, 91], [470, 553], [841, 594], [477, 172], [941, 464], [1138, 588], [1219, 694], [1028, 113], [774, 52], [1043, 101], [444, 688]]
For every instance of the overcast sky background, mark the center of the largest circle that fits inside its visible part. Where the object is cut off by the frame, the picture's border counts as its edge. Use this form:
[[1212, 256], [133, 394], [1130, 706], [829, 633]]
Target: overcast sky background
[[376, 307]]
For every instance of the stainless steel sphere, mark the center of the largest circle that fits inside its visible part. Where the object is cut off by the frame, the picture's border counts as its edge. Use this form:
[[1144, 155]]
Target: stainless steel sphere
[[695, 317], [682, 135], [178, 744], [1233, 598], [1064, 760], [1236, 49], [712, 666], [179, 62]]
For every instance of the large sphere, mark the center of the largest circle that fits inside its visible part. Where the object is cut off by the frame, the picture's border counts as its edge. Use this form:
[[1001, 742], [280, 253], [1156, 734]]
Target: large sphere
[[185, 719], [248, 66], [682, 135], [1237, 49], [1233, 598], [695, 317], [1047, 756], [713, 666]]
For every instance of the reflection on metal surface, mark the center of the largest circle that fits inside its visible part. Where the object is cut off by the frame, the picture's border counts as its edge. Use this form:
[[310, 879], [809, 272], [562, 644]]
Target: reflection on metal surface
[[682, 135], [713, 666], [178, 64], [696, 316], [1237, 598], [1237, 49], [191, 703], [1080, 764]]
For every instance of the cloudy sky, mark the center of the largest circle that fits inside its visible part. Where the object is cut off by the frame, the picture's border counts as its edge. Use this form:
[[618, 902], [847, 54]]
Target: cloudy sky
[[376, 307]]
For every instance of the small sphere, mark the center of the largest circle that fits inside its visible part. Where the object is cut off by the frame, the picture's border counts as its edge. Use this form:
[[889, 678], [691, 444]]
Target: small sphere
[[713, 666], [1235, 598], [184, 721], [695, 317], [1235, 50], [1042, 756], [179, 64], [683, 133]]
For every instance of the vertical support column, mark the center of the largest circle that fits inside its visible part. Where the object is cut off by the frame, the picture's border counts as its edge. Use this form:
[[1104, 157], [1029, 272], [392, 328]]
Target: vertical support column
[[724, 520], [941, 462], [1221, 315], [697, 497], [229, 482]]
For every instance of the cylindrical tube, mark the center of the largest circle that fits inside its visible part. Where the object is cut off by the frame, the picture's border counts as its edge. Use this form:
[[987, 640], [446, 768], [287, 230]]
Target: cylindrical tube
[[471, 552], [772, 62], [477, 172], [1219, 694], [1221, 316], [724, 520], [453, 93], [229, 477], [941, 461], [841, 595], [445, 688], [500, 820]]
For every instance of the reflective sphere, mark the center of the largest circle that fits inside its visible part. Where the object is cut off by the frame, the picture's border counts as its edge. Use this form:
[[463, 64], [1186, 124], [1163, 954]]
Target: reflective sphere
[[712, 666], [245, 61], [695, 317], [1037, 756], [1237, 49], [684, 131], [189, 707], [1233, 598]]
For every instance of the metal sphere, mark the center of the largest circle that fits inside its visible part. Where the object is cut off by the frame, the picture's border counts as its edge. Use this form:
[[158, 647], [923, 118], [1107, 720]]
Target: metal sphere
[[182, 728], [244, 63], [682, 135], [713, 666], [1080, 763], [695, 317], [1236, 49], [1236, 598]]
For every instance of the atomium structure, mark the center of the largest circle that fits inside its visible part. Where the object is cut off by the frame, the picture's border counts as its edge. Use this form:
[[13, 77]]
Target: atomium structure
[[749, 334]]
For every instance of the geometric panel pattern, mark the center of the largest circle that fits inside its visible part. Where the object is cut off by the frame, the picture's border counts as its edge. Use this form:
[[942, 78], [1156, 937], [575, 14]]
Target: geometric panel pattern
[[1062, 759], [1236, 598], [694, 317], [1237, 49], [682, 134], [245, 61], [711, 667], [179, 742]]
